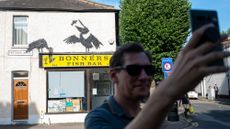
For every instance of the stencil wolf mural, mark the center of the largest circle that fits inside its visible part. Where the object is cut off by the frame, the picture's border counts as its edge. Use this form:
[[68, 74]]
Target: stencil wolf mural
[[89, 42]]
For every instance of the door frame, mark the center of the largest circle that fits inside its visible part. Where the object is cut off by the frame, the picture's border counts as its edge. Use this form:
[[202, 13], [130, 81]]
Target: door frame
[[12, 95]]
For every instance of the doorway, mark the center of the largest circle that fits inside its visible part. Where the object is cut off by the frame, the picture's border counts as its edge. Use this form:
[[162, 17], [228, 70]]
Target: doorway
[[20, 98], [101, 87]]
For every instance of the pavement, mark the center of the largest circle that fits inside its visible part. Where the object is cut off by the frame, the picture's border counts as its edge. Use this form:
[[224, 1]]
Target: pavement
[[183, 123], [53, 126], [223, 101]]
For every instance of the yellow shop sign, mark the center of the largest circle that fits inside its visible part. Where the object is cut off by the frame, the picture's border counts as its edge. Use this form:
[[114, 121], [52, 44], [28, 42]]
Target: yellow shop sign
[[51, 61]]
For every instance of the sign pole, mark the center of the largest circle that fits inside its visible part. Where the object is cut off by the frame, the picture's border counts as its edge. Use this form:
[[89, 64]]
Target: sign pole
[[167, 64]]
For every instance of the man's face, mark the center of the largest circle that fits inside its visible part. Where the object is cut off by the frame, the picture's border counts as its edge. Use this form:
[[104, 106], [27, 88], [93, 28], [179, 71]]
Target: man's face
[[137, 86]]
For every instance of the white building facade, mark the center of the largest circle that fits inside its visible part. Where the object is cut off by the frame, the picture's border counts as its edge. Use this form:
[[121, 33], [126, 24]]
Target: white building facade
[[54, 63], [222, 80]]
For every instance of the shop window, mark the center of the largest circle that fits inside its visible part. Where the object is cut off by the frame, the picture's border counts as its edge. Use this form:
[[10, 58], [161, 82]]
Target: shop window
[[20, 24], [104, 88], [66, 91]]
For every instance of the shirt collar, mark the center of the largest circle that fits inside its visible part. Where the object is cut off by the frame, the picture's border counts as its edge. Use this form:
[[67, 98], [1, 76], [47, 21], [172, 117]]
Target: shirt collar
[[115, 107]]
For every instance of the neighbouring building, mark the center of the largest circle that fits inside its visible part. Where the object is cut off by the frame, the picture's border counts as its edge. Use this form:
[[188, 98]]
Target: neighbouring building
[[54, 58], [221, 80]]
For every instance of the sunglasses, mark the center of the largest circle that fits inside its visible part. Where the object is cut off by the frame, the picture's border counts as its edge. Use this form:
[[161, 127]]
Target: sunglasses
[[135, 70]]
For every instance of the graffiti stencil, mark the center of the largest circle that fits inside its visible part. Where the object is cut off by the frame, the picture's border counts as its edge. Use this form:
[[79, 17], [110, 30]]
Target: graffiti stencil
[[40, 44], [87, 39]]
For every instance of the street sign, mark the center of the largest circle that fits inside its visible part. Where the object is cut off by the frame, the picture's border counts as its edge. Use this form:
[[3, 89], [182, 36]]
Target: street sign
[[167, 64], [167, 73]]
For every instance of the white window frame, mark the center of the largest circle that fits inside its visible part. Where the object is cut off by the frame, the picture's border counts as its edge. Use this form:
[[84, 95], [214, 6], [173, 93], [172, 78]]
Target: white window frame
[[26, 29], [58, 104]]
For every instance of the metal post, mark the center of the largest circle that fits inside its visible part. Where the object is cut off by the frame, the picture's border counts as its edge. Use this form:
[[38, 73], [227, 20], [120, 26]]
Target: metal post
[[173, 113]]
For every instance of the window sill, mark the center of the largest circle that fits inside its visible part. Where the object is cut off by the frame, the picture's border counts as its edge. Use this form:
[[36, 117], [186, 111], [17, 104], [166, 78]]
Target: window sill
[[54, 113], [19, 47]]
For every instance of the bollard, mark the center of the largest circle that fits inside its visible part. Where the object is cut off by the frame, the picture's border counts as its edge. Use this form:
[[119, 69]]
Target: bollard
[[173, 113]]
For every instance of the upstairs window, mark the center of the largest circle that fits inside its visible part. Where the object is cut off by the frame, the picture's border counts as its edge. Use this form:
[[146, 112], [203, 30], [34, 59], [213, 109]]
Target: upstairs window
[[20, 25]]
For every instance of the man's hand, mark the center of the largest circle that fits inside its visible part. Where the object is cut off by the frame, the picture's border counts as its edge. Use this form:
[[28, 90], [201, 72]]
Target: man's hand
[[192, 64], [189, 69]]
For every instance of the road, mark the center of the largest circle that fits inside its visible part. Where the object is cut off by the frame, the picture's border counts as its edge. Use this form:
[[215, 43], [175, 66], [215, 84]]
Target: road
[[210, 115]]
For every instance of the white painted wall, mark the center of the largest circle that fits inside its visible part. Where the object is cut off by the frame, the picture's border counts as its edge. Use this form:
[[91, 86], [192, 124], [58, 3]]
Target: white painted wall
[[54, 27], [221, 80], [64, 118]]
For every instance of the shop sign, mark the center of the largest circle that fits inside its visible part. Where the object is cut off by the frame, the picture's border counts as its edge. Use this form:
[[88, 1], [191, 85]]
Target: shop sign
[[52, 61], [167, 64]]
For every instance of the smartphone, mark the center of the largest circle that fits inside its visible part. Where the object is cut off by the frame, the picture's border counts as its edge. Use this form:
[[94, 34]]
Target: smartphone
[[199, 18]]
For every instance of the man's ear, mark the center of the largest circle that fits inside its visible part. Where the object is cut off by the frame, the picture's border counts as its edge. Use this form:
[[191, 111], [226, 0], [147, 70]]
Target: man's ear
[[113, 75]]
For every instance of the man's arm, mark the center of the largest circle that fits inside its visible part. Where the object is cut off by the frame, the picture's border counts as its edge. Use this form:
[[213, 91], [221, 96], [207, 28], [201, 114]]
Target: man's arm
[[190, 67]]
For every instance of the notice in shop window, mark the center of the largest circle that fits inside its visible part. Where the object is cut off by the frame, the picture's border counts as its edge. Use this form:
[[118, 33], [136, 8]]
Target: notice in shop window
[[94, 91], [96, 76]]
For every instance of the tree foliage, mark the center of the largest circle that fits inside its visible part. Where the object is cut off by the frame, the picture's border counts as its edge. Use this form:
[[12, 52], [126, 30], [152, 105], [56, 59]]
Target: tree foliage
[[160, 25], [226, 32]]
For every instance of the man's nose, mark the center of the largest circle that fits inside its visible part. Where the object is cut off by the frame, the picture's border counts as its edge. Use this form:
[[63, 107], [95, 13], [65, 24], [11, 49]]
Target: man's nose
[[143, 74]]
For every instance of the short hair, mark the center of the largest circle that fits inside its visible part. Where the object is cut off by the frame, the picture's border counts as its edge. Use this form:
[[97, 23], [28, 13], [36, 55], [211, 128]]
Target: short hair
[[130, 47]]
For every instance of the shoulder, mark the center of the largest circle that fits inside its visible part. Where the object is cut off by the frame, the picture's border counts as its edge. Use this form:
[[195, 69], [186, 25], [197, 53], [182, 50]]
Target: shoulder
[[101, 111], [99, 117]]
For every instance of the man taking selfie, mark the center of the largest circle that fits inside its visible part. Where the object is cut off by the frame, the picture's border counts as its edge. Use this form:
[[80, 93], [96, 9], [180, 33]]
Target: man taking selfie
[[131, 73]]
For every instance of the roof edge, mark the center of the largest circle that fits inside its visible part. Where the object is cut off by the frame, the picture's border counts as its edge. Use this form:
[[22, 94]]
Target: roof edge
[[58, 9]]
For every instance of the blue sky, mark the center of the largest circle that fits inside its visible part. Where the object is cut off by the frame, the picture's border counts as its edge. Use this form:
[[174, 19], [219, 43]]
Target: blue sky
[[114, 3], [221, 6]]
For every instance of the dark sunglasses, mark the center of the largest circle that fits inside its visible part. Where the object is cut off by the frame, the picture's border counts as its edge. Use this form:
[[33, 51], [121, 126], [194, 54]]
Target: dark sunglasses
[[135, 70]]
